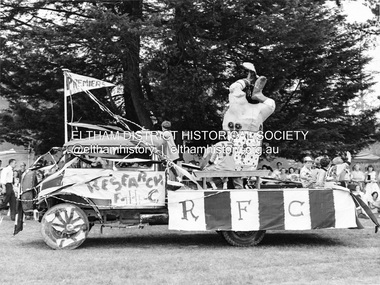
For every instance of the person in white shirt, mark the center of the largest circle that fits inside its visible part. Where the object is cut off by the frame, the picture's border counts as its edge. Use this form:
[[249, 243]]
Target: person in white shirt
[[6, 180], [305, 174]]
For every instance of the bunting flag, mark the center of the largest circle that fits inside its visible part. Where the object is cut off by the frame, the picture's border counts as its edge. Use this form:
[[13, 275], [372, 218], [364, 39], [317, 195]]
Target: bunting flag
[[19, 219], [364, 206], [252, 210], [76, 83]]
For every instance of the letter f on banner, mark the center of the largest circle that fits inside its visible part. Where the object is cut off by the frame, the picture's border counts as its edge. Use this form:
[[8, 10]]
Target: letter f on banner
[[242, 208]]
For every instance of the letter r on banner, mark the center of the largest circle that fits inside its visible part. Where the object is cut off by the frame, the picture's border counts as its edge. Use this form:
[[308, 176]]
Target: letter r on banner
[[189, 209], [186, 210]]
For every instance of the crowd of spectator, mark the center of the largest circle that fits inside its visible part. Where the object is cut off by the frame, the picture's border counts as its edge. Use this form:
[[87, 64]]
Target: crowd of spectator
[[281, 173], [362, 181]]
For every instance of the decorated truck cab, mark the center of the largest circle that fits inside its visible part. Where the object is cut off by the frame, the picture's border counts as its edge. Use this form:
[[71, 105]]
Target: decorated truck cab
[[98, 180]]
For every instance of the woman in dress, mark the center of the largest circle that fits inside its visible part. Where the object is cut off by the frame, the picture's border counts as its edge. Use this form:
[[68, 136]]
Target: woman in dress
[[357, 175], [371, 182]]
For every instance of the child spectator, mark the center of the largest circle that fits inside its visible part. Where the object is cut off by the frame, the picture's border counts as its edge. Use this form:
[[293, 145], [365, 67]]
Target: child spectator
[[16, 186], [374, 203], [283, 175], [292, 175]]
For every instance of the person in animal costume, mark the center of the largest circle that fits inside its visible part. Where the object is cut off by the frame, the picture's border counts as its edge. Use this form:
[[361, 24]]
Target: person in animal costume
[[243, 120]]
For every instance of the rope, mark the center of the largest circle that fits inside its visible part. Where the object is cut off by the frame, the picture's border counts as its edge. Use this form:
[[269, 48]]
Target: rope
[[169, 163], [72, 109], [100, 105]]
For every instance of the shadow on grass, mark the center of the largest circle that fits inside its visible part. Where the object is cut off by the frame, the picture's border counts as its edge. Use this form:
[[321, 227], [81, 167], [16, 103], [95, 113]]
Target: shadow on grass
[[167, 240], [209, 239], [38, 244], [300, 239]]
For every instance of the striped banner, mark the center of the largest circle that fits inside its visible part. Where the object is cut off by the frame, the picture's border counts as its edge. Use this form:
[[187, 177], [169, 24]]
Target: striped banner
[[252, 210]]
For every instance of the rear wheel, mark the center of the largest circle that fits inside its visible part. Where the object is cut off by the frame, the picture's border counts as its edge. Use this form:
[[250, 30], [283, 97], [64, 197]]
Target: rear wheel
[[64, 226], [243, 238]]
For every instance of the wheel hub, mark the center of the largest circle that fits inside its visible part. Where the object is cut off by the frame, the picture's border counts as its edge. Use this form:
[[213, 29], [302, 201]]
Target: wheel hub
[[69, 227]]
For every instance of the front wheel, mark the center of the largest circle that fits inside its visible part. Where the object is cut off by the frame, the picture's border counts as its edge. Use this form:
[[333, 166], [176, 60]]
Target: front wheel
[[64, 226], [243, 239]]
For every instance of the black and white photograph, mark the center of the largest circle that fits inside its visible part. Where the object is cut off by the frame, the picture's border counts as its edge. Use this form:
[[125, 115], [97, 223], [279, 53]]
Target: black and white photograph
[[189, 142]]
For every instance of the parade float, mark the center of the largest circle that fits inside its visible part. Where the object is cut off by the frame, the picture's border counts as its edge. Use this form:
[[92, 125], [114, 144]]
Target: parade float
[[120, 178]]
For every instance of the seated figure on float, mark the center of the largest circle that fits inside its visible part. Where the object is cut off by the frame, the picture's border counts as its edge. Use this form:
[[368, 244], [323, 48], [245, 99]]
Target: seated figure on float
[[339, 171], [319, 174], [331, 174], [314, 178], [219, 157]]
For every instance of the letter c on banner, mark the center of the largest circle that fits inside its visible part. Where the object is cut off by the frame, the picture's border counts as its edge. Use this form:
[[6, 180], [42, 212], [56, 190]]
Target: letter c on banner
[[293, 214]]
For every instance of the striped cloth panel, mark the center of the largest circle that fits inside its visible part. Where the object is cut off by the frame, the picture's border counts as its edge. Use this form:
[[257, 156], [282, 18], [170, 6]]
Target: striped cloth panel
[[250, 210]]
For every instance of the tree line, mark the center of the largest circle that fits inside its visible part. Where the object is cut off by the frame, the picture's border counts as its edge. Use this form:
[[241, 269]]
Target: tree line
[[176, 59]]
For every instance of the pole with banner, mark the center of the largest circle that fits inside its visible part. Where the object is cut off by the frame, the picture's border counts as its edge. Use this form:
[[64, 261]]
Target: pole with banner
[[76, 83], [65, 103]]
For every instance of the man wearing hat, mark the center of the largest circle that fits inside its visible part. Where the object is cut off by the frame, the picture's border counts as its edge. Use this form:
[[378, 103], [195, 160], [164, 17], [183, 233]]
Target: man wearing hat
[[166, 126], [305, 173]]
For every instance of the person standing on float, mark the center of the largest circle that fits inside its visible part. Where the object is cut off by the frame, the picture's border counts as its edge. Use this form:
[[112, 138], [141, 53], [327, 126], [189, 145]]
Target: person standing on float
[[244, 120]]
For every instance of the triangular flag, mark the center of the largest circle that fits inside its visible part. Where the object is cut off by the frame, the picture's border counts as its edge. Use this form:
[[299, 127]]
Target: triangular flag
[[76, 83]]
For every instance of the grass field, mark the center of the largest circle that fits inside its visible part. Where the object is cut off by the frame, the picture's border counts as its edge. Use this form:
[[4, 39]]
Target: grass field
[[155, 255]]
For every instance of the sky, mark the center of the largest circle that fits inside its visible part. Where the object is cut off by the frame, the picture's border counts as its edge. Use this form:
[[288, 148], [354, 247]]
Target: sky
[[357, 12]]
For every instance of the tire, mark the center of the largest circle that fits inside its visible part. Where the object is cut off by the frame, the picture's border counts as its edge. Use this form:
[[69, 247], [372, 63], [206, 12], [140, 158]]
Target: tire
[[243, 239], [64, 226]]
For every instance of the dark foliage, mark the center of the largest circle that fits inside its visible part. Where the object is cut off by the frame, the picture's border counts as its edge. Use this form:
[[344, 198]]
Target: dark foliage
[[176, 59]]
